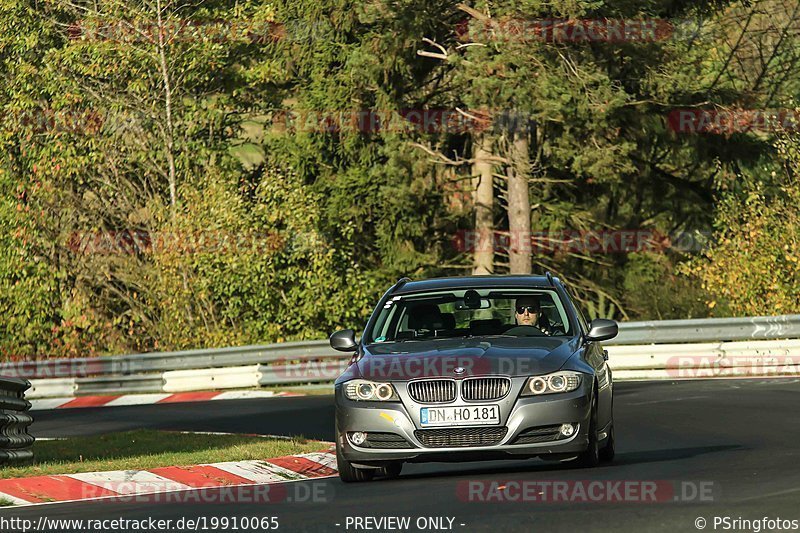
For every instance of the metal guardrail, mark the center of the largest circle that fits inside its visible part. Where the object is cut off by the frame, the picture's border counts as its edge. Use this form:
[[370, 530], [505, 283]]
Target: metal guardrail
[[148, 363], [650, 332], [709, 330], [15, 441], [272, 364]]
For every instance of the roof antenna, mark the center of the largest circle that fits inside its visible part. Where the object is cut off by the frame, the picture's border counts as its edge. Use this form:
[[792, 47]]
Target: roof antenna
[[550, 279]]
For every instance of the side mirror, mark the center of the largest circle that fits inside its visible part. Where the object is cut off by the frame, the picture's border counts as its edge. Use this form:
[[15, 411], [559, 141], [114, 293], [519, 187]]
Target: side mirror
[[602, 330], [344, 340]]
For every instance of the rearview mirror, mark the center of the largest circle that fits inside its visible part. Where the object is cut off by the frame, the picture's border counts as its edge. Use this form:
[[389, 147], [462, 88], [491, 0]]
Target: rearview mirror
[[482, 303], [602, 330], [344, 340]]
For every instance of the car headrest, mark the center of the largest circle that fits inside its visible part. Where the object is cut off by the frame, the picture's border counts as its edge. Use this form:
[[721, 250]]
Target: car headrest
[[449, 321], [425, 316]]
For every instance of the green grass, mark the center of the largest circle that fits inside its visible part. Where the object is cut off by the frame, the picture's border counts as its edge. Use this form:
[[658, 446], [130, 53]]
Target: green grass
[[144, 449]]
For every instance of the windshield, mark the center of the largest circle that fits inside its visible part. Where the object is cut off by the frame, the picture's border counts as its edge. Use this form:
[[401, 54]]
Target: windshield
[[470, 313]]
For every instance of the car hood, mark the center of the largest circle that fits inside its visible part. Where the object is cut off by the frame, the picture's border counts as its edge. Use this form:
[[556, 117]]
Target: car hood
[[473, 356]]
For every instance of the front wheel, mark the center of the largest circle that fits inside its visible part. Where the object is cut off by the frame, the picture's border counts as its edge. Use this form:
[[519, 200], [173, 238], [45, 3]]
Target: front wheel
[[591, 457], [608, 450], [349, 473], [391, 470]]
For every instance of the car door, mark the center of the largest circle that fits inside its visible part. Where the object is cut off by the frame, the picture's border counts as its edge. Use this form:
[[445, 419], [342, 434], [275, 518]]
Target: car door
[[595, 356]]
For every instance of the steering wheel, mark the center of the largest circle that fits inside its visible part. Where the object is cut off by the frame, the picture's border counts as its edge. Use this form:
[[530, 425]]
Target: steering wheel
[[525, 331]]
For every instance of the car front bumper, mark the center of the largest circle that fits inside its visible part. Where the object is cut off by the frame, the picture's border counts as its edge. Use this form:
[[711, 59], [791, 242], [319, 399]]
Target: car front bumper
[[518, 415]]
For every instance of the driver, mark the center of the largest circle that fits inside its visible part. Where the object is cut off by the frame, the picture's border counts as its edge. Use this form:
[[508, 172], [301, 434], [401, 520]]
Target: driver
[[528, 313]]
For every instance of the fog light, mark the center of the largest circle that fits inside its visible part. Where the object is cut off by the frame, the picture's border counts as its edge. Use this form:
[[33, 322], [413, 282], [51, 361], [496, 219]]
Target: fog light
[[567, 430], [358, 438]]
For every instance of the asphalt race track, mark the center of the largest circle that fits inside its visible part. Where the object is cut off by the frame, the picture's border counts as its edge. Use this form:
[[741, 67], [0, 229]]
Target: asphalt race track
[[739, 437], [309, 416]]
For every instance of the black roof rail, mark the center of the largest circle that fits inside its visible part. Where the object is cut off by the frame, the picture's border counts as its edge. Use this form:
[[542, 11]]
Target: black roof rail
[[550, 279], [400, 283]]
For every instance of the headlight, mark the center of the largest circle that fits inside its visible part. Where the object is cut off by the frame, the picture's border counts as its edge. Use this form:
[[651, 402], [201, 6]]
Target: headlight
[[370, 391], [552, 383]]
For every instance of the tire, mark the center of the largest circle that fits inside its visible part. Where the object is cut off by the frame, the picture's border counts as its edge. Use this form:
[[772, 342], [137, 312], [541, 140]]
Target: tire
[[391, 470], [349, 473], [591, 457], [608, 450]]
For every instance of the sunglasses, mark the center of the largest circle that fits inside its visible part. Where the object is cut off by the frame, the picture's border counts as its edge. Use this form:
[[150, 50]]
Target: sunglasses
[[531, 309]]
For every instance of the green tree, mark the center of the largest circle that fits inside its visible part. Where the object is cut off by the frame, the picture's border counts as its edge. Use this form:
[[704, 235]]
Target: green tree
[[753, 267]]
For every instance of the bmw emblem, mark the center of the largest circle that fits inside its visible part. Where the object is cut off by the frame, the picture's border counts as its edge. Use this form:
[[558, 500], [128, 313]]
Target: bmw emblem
[[459, 370]]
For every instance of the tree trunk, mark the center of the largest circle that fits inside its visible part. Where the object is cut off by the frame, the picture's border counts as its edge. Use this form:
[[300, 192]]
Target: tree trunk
[[483, 237], [519, 204], [170, 140]]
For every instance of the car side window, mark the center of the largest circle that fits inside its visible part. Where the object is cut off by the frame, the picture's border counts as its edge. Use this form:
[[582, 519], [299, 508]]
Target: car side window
[[582, 320], [581, 317]]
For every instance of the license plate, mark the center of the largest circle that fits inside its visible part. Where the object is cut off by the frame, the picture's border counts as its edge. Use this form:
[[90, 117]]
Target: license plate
[[466, 415]]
